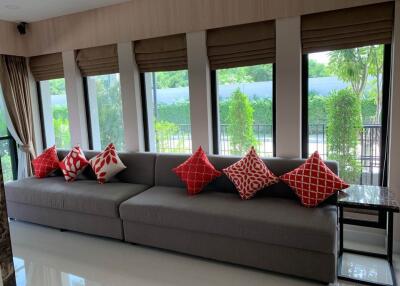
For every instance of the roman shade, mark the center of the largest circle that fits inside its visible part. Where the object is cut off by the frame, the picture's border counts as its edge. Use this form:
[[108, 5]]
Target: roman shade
[[47, 67], [161, 54], [347, 28], [98, 60], [242, 45]]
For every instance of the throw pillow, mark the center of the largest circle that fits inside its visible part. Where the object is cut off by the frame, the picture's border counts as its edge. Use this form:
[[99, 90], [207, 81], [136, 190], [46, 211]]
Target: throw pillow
[[196, 172], [313, 182], [106, 164], [250, 175], [73, 164], [46, 163]]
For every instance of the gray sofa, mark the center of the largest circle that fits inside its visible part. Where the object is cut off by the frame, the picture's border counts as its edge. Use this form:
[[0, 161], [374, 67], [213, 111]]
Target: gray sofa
[[147, 204]]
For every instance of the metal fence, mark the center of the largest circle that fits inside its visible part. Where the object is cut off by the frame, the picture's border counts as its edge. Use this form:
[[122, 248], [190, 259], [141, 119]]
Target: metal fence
[[368, 151], [263, 136], [176, 142]]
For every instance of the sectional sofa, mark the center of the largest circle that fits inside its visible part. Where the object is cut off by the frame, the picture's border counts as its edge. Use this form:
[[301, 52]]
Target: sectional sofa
[[147, 204]]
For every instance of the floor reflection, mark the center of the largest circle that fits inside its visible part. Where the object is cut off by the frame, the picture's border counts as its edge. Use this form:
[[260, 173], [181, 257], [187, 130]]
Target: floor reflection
[[30, 273], [47, 257], [369, 269]]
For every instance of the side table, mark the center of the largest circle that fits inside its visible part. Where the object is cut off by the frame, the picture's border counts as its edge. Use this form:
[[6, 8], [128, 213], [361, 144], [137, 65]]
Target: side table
[[375, 198]]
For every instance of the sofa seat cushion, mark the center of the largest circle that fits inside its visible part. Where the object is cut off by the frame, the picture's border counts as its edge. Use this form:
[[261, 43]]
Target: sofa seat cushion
[[270, 220], [84, 196]]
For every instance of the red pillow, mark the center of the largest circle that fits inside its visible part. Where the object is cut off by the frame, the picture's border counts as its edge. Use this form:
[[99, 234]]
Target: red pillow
[[46, 163], [196, 172], [313, 182], [73, 164], [250, 174]]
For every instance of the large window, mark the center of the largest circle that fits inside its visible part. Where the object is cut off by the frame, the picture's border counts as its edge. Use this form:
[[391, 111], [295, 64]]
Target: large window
[[168, 111], [55, 113], [105, 109], [346, 106], [245, 99]]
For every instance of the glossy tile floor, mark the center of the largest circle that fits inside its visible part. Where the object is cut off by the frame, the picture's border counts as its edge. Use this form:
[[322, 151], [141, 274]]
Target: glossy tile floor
[[48, 257]]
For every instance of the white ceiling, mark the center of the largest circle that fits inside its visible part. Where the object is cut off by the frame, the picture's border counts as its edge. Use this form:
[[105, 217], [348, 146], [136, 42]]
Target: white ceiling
[[35, 10]]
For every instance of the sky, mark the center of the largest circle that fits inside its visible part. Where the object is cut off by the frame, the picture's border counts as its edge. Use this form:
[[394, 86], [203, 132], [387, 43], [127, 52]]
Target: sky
[[322, 57]]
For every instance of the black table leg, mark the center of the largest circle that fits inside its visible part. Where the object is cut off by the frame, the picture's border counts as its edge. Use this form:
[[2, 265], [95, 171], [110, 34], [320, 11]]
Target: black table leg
[[340, 230], [390, 238]]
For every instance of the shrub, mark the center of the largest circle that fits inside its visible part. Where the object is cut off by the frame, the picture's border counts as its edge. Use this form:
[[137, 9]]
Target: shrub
[[343, 130], [240, 119]]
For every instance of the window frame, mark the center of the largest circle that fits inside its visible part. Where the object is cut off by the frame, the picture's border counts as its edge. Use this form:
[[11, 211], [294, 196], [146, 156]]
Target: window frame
[[215, 111], [385, 120], [87, 112]]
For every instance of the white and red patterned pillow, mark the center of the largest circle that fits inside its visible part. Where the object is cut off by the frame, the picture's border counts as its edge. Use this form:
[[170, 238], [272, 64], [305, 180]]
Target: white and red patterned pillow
[[106, 164], [250, 174], [313, 182], [46, 163], [196, 172], [73, 164]]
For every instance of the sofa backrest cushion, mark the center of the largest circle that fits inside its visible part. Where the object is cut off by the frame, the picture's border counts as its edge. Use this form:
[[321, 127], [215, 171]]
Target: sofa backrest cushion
[[279, 166], [140, 167]]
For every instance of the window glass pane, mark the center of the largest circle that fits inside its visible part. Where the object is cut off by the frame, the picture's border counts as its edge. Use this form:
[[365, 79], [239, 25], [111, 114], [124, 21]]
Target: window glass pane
[[168, 110], [55, 113], [6, 141], [245, 109], [345, 110], [106, 111]]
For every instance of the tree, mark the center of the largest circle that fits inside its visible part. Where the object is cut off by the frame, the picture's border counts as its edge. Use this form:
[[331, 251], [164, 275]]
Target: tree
[[110, 110], [240, 118], [343, 129], [316, 69], [351, 65], [172, 79]]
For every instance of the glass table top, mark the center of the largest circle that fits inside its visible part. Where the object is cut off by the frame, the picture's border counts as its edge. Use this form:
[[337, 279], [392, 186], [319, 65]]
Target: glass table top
[[368, 197]]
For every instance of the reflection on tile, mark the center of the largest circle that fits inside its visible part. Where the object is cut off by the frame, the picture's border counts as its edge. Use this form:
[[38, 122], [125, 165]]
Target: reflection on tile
[[47, 257], [366, 268]]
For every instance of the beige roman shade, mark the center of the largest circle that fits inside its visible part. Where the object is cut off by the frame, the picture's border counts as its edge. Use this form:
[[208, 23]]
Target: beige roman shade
[[347, 28], [47, 67], [98, 60], [242, 45], [161, 54]]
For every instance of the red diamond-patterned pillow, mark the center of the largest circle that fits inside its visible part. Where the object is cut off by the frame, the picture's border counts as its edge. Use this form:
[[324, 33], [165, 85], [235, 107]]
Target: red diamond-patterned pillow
[[313, 182], [46, 163], [106, 164], [196, 172], [250, 174], [73, 164]]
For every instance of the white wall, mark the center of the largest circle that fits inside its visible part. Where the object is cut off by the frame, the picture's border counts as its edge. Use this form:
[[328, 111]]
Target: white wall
[[288, 87], [131, 99], [199, 89], [75, 101]]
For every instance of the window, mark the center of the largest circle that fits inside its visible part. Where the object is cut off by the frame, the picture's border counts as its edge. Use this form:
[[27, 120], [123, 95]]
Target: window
[[168, 111], [105, 109], [8, 149], [346, 103], [245, 100], [55, 118]]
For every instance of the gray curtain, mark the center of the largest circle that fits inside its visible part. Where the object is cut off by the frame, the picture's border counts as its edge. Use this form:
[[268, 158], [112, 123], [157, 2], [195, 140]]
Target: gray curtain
[[14, 81]]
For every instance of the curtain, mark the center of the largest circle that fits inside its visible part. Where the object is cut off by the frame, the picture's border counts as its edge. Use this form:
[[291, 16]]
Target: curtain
[[347, 28], [98, 60], [241, 45], [17, 101], [47, 67], [167, 53]]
